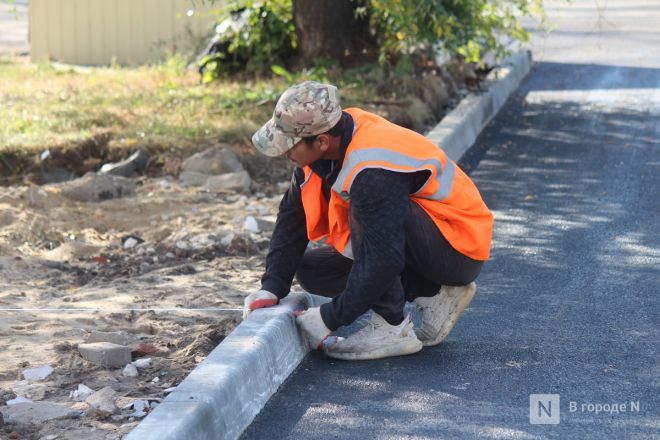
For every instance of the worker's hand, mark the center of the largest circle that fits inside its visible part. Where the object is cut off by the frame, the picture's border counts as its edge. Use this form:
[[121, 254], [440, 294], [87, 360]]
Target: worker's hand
[[312, 323], [258, 300]]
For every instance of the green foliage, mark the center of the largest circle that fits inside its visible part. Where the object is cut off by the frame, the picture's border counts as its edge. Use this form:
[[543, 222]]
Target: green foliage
[[467, 28], [251, 36], [403, 29]]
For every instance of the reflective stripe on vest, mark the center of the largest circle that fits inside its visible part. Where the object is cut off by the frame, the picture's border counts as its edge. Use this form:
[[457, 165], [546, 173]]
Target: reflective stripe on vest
[[444, 177]]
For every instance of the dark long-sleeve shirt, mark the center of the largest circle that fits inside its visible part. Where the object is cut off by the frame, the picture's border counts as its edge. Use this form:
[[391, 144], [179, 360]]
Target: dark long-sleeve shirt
[[379, 202]]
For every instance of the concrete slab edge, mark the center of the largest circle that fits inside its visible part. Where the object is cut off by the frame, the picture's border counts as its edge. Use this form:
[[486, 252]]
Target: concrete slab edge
[[222, 395]]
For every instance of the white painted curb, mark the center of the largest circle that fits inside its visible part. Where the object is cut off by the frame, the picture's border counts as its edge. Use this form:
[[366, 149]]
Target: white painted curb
[[222, 395]]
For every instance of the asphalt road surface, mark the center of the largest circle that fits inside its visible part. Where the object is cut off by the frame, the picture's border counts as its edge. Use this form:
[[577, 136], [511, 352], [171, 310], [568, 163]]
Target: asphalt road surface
[[568, 304]]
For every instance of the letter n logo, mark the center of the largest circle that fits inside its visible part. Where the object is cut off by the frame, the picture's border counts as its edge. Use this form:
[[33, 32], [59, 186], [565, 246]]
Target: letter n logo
[[544, 409]]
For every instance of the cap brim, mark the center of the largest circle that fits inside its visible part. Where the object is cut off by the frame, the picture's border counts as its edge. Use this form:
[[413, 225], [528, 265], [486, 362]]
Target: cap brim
[[271, 141]]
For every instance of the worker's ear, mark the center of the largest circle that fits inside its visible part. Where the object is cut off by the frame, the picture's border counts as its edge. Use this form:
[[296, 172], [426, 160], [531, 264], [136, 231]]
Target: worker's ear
[[323, 142]]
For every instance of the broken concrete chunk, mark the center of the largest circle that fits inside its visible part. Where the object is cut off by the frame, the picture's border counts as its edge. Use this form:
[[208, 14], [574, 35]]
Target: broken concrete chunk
[[230, 182], [140, 407], [216, 160], [130, 370], [35, 391], [36, 413], [142, 363], [38, 373], [106, 354], [17, 400], [251, 224], [103, 402], [94, 187], [227, 239], [266, 224], [82, 393]]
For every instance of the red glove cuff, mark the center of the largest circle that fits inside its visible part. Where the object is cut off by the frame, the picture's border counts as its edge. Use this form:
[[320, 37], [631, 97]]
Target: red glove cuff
[[260, 303]]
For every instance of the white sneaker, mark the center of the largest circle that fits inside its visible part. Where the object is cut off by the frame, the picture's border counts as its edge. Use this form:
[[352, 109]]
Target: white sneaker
[[440, 312], [377, 340]]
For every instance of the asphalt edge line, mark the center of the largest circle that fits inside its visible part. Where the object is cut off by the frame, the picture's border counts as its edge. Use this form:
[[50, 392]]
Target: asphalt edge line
[[223, 394]]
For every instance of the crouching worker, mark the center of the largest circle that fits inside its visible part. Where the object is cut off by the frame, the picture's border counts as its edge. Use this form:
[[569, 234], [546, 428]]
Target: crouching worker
[[398, 220]]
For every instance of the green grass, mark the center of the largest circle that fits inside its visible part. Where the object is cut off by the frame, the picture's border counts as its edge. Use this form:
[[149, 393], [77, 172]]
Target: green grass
[[51, 106]]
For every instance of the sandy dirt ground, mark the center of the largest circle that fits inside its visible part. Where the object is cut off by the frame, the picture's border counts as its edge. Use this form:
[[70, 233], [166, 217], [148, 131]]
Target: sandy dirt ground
[[59, 253]]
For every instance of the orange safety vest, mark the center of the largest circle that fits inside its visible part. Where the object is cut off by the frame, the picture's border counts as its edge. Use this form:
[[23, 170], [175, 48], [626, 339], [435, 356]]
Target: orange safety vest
[[449, 197]]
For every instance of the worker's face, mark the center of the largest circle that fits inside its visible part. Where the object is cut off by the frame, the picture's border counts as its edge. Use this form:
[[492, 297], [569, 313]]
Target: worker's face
[[303, 154]]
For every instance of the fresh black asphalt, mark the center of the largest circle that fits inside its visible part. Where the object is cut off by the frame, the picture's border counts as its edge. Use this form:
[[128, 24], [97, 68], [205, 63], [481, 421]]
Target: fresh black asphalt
[[568, 303]]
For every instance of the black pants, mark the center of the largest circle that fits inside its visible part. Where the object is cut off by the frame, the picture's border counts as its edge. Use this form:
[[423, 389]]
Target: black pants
[[430, 263]]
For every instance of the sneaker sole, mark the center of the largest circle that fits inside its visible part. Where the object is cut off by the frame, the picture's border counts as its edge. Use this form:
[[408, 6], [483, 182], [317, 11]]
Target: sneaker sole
[[409, 346], [453, 318]]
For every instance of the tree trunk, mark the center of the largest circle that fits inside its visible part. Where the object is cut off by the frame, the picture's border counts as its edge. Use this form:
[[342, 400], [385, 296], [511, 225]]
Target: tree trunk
[[330, 29]]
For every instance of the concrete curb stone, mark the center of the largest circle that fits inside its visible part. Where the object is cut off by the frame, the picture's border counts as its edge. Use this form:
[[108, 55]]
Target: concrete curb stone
[[222, 395]]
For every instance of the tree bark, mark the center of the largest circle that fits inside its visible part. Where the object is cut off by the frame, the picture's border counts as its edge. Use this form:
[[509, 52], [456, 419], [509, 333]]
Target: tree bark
[[330, 29]]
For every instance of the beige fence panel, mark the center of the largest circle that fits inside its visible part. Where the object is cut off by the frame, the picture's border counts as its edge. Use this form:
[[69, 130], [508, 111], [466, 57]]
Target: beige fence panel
[[130, 32]]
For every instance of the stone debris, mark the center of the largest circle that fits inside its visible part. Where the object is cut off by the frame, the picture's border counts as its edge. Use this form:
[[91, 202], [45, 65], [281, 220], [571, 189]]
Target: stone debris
[[230, 182], [102, 402], [30, 391], [142, 363], [130, 370], [140, 407], [17, 400], [36, 413], [106, 354], [93, 187], [266, 224], [130, 241], [251, 224], [38, 373], [215, 160], [227, 239], [82, 393], [217, 169]]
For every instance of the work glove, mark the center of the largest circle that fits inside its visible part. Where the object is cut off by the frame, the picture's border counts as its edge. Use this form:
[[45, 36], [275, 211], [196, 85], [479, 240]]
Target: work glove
[[314, 327], [258, 300]]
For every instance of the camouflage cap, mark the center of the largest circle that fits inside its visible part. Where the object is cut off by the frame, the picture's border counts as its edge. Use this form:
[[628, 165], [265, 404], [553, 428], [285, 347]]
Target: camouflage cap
[[306, 109]]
